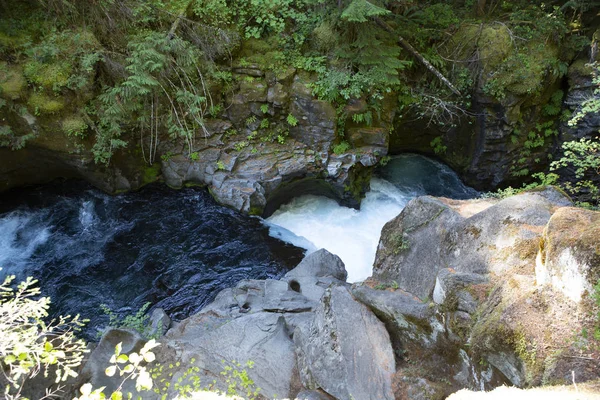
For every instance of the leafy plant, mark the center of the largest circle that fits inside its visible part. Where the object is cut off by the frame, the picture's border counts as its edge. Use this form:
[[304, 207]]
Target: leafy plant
[[29, 346], [341, 147], [291, 120], [138, 321], [438, 146]]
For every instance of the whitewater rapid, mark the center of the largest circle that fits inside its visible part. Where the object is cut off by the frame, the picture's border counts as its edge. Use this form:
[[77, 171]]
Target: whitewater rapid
[[314, 222]]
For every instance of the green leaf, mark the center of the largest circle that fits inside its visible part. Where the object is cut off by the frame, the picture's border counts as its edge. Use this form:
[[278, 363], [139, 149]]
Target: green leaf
[[361, 11], [110, 371], [116, 396]]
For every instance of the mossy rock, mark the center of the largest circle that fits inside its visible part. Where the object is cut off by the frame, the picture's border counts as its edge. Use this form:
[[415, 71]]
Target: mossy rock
[[74, 126], [12, 82], [43, 104], [52, 76], [493, 42]]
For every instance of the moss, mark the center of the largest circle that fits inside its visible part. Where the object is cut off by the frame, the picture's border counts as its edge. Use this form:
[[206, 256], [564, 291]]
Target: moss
[[44, 104], [12, 82], [151, 174], [360, 179], [11, 42], [493, 43], [581, 68], [74, 126], [52, 76], [254, 210]]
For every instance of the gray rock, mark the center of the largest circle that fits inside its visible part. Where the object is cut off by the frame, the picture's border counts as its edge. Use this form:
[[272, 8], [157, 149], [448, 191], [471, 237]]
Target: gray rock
[[94, 369], [313, 395], [410, 251], [261, 338], [319, 264], [344, 330], [159, 322], [278, 95], [509, 365], [434, 234], [392, 305], [449, 282]]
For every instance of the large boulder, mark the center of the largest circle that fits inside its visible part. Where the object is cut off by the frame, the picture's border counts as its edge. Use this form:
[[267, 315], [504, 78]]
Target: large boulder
[[484, 292], [431, 235], [266, 332], [345, 350]]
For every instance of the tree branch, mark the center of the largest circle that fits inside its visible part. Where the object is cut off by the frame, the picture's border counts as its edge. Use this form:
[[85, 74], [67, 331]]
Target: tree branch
[[408, 47]]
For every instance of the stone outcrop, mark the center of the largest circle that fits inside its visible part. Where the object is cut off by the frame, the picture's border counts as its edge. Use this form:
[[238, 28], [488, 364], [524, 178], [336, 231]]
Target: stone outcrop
[[341, 330], [570, 252], [303, 335], [273, 138], [492, 290]]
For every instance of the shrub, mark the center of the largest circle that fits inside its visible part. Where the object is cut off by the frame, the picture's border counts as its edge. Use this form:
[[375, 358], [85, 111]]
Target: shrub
[[29, 345]]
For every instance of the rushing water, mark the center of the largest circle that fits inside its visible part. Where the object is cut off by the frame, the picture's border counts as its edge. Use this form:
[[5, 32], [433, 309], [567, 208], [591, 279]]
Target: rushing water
[[175, 249], [314, 222]]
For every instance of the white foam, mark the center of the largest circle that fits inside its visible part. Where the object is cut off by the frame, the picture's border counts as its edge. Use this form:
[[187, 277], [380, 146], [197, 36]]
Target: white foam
[[18, 240], [314, 222]]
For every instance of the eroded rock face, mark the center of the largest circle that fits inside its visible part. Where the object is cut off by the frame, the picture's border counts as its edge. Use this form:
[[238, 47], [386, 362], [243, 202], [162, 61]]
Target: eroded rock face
[[569, 258], [274, 324], [272, 134], [431, 235], [457, 282], [343, 329]]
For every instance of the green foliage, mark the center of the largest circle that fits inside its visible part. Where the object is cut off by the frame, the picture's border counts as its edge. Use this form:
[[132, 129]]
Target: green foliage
[[132, 366], [362, 10], [239, 146], [195, 156], [63, 60], [163, 89], [29, 345], [238, 381], [530, 60], [220, 166], [167, 156], [363, 118], [12, 141], [592, 105], [341, 148], [291, 120], [438, 146], [138, 321], [584, 157], [554, 106]]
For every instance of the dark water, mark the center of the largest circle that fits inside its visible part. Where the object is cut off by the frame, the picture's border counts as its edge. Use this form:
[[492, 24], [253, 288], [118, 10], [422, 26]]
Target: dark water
[[174, 249], [417, 175]]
